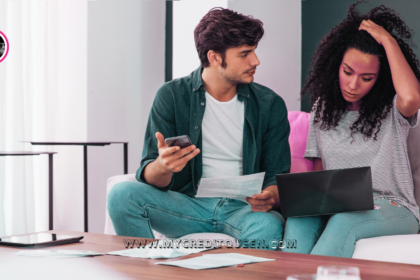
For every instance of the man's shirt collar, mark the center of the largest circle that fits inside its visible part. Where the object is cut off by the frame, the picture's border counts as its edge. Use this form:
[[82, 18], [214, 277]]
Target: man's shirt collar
[[197, 80]]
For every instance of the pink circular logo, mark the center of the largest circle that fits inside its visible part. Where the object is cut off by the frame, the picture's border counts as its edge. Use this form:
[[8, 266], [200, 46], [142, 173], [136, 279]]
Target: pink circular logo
[[4, 46]]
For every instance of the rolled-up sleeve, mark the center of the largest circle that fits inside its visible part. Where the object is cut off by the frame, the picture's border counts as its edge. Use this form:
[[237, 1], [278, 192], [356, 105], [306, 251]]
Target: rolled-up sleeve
[[410, 122]]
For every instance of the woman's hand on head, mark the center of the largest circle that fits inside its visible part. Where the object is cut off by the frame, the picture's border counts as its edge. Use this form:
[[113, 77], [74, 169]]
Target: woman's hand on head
[[405, 81], [376, 31]]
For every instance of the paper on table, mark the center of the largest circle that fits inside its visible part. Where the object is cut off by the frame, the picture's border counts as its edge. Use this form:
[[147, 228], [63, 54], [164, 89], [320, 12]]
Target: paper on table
[[244, 257], [216, 260], [57, 253], [235, 187], [159, 251]]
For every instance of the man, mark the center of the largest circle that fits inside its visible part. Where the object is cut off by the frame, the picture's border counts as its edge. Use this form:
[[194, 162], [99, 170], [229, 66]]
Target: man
[[237, 127]]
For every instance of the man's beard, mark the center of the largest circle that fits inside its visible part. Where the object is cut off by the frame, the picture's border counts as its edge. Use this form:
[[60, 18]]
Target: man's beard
[[235, 79]]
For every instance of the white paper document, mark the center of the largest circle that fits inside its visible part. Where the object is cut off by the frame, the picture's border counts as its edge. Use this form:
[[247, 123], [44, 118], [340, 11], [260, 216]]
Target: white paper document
[[159, 250], [57, 253], [235, 187], [216, 260]]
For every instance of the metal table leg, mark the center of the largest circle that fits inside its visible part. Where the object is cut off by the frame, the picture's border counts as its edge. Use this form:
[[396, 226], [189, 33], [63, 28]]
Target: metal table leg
[[125, 158], [85, 186], [50, 188]]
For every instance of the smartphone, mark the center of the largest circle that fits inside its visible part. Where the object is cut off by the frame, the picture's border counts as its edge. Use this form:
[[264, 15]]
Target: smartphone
[[181, 141]]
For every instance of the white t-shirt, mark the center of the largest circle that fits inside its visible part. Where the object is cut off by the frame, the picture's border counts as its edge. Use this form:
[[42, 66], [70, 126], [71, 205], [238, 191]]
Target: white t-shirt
[[222, 128]]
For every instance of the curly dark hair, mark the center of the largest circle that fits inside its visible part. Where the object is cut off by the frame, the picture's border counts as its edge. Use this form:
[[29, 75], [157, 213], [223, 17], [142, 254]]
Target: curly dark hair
[[323, 80], [221, 29]]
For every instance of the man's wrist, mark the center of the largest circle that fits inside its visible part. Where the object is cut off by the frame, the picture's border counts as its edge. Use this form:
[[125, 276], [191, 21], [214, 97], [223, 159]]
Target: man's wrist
[[162, 168]]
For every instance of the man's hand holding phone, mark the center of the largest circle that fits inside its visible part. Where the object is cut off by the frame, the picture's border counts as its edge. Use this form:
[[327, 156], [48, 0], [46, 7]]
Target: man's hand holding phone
[[174, 158]]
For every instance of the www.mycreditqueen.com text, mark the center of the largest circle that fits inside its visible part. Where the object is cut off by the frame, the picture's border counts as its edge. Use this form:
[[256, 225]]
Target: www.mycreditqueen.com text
[[210, 243]]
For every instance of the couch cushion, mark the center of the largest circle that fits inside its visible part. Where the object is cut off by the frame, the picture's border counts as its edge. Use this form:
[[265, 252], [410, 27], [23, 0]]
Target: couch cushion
[[112, 181], [414, 156], [299, 127], [396, 248]]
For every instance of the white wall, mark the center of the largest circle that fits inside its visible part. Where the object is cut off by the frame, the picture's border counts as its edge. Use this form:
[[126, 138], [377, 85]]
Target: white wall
[[43, 97], [70, 114], [126, 66], [279, 51], [186, 15]]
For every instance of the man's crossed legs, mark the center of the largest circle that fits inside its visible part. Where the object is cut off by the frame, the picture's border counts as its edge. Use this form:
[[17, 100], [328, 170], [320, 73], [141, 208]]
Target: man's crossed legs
[[135, 208]]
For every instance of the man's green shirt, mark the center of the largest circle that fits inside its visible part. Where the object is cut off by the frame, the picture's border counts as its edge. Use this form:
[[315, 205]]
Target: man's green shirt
[[178, 109]]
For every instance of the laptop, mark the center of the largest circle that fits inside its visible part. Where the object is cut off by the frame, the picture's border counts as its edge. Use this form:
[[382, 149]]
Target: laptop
[[325, 192]]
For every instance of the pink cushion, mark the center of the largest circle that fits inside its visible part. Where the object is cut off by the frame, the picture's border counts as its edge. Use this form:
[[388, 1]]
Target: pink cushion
[[299, 127]]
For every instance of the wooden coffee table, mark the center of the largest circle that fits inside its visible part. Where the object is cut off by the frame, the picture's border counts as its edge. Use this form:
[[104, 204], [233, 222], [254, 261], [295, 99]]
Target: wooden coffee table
[[136, 268]]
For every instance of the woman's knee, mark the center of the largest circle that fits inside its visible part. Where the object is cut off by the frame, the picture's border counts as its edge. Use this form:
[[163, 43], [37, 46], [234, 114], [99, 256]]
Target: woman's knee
[[306, 225], [302, 233], [342, 220]]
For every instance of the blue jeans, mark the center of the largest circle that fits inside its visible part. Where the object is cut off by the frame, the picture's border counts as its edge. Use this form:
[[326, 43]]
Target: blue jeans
[[336, 235], [135, 208]]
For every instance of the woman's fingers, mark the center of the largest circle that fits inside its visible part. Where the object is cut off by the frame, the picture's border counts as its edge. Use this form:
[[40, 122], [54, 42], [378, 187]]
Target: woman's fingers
[[376, 31]]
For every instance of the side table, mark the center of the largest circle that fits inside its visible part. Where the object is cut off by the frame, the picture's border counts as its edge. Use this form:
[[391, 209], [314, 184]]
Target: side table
[[50, 178], [85, 145]]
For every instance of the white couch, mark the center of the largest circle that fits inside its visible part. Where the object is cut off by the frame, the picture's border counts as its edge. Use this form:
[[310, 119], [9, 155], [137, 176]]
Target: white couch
[[397, 248]]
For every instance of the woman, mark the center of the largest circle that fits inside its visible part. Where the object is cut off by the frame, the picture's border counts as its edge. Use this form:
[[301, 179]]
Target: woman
[[365, 93]]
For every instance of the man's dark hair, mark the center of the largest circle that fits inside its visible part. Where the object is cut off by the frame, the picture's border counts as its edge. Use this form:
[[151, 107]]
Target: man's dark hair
[[323, 81], [221, 29]]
